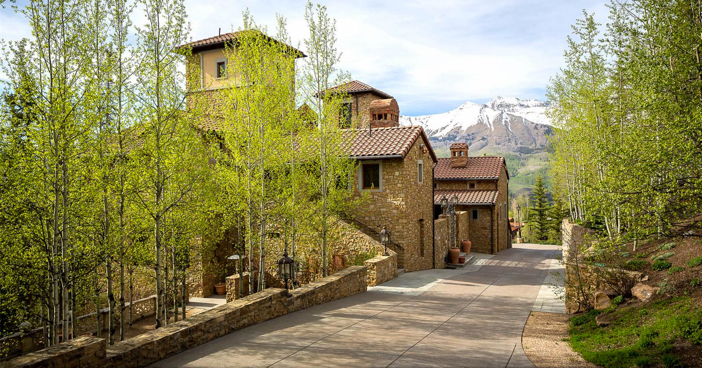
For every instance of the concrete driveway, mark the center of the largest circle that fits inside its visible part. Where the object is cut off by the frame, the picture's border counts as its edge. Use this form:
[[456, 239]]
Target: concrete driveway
[[472, 317]]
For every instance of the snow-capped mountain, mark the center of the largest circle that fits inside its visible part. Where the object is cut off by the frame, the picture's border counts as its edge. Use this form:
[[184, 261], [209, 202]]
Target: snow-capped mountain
[[505, 124]]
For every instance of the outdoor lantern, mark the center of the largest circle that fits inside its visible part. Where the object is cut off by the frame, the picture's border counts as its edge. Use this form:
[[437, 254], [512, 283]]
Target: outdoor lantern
[[444, 204], [285, 268], [384, 239], [453, 201]]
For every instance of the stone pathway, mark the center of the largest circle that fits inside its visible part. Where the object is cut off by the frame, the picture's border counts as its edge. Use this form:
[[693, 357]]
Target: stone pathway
[[472, 317], [552, 290]]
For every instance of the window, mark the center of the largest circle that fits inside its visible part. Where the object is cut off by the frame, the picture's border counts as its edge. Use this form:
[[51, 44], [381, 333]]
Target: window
[[420, 172], [221, 69], [475, 214], [436, 185], [471, 185], [346, 115], [370, 176]]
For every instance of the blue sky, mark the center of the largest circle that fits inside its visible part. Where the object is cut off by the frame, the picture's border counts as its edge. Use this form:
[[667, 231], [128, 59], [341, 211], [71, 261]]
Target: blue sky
[[431, 55]]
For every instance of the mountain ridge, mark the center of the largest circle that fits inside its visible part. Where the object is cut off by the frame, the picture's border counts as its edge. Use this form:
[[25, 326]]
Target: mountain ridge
[[507, 126]]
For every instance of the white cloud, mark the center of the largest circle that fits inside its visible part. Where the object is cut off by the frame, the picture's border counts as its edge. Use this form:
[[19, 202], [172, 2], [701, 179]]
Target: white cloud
[[430, 55]]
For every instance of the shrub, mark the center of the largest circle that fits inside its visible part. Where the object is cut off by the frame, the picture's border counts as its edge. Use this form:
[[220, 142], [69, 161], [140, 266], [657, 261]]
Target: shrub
[[635, 264], [665, 288], [671, 361], [667, 246], [695, 282], [624, 254], [617, 300], [661, 256], [694, 262], [675, 269], [661, 265], [640, 255]]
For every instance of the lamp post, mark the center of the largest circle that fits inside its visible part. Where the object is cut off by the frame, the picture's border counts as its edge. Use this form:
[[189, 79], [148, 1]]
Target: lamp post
[[444, 204], [384, 239], [452, 212], [285, 270], [519, 220]]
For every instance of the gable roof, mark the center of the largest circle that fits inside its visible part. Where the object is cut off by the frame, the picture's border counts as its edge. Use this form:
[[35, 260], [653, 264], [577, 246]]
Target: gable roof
[[479, 167], [468, 197], [376, 143], [217, 42], [356, 87]]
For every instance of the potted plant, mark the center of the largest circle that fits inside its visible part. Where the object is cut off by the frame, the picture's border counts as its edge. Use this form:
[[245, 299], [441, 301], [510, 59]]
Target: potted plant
[[466, 246], [221, 288]]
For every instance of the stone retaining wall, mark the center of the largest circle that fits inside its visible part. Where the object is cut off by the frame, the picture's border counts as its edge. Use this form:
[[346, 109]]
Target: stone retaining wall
[[155, 345], [381, 268], [84, 351]]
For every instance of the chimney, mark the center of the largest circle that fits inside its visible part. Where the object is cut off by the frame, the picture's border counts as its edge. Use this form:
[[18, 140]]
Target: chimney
[[459, 155], [384, 113]]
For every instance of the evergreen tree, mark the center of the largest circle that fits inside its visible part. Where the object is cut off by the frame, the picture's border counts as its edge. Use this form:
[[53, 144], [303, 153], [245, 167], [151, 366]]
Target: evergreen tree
[[540, 210]]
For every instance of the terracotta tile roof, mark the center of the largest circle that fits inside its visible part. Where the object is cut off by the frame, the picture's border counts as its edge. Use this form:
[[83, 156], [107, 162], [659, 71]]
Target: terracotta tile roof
[[468, 197], [459, 146], [379, 142], [218, 41], [481, 167], [357, 87]]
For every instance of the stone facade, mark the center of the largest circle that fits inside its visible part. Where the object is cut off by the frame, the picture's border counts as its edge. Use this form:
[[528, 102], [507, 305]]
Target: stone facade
[[441, 241], [490, 232], [360, 108], [381, 268], [403, 204], [155, 345], [462, 227]]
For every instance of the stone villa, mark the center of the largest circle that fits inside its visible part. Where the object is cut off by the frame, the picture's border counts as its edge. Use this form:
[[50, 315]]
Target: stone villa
[[480, 183], [398, 169]]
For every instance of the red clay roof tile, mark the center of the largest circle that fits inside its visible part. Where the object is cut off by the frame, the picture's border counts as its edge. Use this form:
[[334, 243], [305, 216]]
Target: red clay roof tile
[[379, 142], [357, 87], [483, 167], [468, 197]]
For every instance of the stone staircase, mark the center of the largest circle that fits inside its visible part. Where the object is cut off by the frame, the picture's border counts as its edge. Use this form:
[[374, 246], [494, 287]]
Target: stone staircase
[[376, 236]]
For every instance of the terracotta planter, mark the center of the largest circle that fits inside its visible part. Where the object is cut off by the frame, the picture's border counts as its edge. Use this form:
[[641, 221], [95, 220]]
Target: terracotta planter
[[221, 288], [454, 253], [461, 259], [466, 246]]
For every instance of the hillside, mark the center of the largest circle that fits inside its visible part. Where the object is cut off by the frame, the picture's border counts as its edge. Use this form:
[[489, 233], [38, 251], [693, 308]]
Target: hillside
[[506, 126]]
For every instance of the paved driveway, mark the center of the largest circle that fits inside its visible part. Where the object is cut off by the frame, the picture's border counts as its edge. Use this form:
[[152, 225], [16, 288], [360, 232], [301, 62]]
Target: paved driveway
[[472, 317]]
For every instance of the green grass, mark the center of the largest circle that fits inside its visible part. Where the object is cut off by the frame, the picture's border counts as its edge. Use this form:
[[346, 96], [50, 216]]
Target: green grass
[[695, 282], [675, 269], [637, 337], [694, 262]]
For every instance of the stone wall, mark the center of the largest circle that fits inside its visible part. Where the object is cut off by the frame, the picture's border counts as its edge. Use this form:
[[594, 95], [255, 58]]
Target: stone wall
[[501, 231], [441, 241], [572, 235], [360, 108], [480, 230], [462, 228], [155, 345], [580, 287], [404, 205], [381, 268], [463, 184], [82, 352]]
